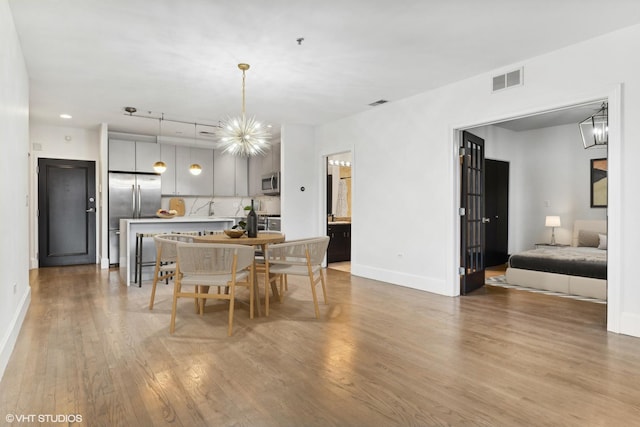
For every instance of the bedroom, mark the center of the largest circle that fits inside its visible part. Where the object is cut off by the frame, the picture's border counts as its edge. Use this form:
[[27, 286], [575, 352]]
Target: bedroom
[[549, 174]]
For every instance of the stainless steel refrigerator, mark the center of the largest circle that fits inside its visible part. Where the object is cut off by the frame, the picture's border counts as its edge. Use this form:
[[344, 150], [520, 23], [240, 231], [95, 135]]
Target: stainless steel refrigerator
[[131, 195]]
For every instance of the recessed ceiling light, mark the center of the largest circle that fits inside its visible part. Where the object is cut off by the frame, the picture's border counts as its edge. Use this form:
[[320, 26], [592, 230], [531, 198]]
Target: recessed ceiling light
[[65, 116]]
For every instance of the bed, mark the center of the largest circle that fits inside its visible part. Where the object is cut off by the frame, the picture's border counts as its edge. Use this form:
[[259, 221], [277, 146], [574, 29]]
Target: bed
[[579, 269]]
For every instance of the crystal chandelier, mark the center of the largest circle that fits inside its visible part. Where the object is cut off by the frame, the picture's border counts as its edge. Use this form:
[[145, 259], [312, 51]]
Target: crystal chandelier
[[240, 136]]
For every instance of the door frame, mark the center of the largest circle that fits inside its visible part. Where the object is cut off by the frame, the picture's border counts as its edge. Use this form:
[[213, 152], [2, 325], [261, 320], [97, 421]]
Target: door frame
[[325, 159], [35, 259], [613, 95]]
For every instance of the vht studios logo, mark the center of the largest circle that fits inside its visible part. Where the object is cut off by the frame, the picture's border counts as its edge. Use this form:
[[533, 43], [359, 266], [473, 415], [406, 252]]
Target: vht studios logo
[[44, 418]]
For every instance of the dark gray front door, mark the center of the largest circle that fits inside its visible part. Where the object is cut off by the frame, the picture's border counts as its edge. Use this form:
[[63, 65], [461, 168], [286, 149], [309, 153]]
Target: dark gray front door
[[472, 220], [66, 212]]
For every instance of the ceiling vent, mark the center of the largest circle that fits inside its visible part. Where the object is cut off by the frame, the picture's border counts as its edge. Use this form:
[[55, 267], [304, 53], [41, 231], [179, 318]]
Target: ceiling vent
[[378, 102], [507, 80], [207, 134]]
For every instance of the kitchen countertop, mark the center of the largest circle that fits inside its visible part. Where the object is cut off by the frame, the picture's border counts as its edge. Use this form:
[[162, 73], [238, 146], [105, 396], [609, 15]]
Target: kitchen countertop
[[338, 222], [179, 219]]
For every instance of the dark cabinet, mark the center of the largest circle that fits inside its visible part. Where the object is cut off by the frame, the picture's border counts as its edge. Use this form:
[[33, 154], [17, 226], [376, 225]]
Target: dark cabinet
[[340, 243]]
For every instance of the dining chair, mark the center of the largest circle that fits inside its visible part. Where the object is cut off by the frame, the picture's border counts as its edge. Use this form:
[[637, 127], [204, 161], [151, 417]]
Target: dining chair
[[166, 256], [299, 258], [201, 265]]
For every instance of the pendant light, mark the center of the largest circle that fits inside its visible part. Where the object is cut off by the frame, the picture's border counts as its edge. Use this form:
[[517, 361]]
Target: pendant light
[[240, 136], [160, 166], [195, 168], [595, 129]]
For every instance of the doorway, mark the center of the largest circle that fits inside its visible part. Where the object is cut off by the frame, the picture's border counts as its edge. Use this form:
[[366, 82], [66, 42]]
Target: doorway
[[66, 212], [338, 209], [538, 191], [497, 212]]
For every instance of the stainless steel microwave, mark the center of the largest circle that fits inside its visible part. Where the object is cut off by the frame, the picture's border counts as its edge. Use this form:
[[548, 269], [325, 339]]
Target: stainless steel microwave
[[271, 183]]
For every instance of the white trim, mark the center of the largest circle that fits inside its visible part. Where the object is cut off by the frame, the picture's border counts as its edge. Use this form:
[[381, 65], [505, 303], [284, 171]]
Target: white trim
[[614, 269], [413, 281], [9, 340]]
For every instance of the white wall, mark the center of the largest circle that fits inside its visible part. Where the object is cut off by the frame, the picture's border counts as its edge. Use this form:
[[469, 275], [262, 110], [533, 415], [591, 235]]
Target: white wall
[[61, 142], [413, 141], [15, 293], [300, 209], [549, 175]]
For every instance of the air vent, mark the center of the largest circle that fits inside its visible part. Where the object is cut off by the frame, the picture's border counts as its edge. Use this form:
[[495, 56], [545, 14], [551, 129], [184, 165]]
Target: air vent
[[507, 80], [206, 134], [378, 102]]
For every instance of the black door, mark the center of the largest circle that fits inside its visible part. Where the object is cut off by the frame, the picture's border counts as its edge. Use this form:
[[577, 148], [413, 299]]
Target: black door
[[496, 209], [472, 220], [66, 212]]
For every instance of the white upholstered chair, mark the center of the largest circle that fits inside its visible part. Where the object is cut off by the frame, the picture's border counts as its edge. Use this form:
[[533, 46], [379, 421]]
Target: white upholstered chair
[[300, 258], [201, 265]]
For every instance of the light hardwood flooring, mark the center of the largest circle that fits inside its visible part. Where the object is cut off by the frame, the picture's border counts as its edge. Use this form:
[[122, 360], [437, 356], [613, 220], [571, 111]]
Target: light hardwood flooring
[[380, 355]]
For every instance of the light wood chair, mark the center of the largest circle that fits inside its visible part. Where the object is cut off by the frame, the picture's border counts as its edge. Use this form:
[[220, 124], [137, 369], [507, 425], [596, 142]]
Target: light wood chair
[[201, 265], [166, 257], [260, 262], [299, 258]]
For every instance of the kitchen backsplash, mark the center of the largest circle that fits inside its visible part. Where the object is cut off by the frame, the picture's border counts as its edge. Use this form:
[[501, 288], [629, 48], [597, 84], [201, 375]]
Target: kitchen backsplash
[[227, 206]]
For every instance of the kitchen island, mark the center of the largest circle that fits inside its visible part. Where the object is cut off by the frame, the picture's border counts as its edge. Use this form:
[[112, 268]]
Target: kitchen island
[[129, 228]]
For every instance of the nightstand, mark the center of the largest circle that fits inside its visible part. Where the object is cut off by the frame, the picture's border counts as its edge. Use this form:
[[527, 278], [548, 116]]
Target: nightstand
[[549, 245]]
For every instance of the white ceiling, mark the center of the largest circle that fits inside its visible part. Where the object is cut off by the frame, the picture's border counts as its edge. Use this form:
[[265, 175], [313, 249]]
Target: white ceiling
[[91, 58]]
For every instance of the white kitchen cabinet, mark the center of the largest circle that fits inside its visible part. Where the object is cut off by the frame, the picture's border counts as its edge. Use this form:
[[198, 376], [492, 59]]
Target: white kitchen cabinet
[[168, 156], [262, 165], [147, 153], [122, 155], [229, 175], [194, 185], [133, 156]]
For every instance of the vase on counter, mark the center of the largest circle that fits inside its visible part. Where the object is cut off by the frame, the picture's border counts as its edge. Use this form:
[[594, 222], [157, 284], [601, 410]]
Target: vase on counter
[[252, 222]]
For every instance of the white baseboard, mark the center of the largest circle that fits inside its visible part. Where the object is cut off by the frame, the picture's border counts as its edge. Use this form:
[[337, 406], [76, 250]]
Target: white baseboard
[[9, 340], [413, 281], [630, 324], [104, 262]]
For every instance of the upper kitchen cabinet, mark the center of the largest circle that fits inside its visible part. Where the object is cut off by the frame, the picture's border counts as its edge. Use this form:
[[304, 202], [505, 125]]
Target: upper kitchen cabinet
[[262, 165], [194, 185], [132, 156], [147, 153], [122, 155], [230, 175], [168, 156]]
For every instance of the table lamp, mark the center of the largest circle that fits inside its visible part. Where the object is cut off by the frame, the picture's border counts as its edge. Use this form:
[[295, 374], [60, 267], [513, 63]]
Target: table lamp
[[553, 222]]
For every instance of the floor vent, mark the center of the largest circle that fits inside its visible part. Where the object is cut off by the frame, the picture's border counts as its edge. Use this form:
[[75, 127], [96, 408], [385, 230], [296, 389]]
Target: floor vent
[[378, 102], [507, 80]]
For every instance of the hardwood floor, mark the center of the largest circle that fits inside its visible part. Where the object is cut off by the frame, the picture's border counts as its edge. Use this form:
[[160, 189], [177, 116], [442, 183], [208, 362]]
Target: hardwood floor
[[379, 355]]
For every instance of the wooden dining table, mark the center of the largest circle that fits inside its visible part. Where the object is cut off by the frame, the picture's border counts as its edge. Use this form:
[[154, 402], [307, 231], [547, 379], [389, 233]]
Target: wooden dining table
[[262, 239]]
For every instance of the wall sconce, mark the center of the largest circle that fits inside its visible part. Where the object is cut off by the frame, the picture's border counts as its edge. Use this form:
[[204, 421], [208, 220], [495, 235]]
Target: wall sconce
[[595, 129], [553, 222]]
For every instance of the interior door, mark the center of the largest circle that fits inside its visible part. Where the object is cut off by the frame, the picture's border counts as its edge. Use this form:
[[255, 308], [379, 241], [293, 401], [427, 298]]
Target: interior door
[[66, 212], [472, 220], [496, 209]]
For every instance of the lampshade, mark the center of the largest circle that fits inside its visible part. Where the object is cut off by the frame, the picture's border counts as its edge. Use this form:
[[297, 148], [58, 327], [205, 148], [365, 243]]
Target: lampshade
[[160, 166], [195, 169], [552, 221], [595, 129]]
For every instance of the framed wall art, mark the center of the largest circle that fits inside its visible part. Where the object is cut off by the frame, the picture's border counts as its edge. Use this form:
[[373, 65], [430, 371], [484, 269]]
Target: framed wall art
[[598, 183]]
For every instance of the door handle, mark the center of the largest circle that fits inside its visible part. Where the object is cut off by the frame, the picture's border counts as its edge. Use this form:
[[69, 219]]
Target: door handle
[[90, 210], [486, 220]]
